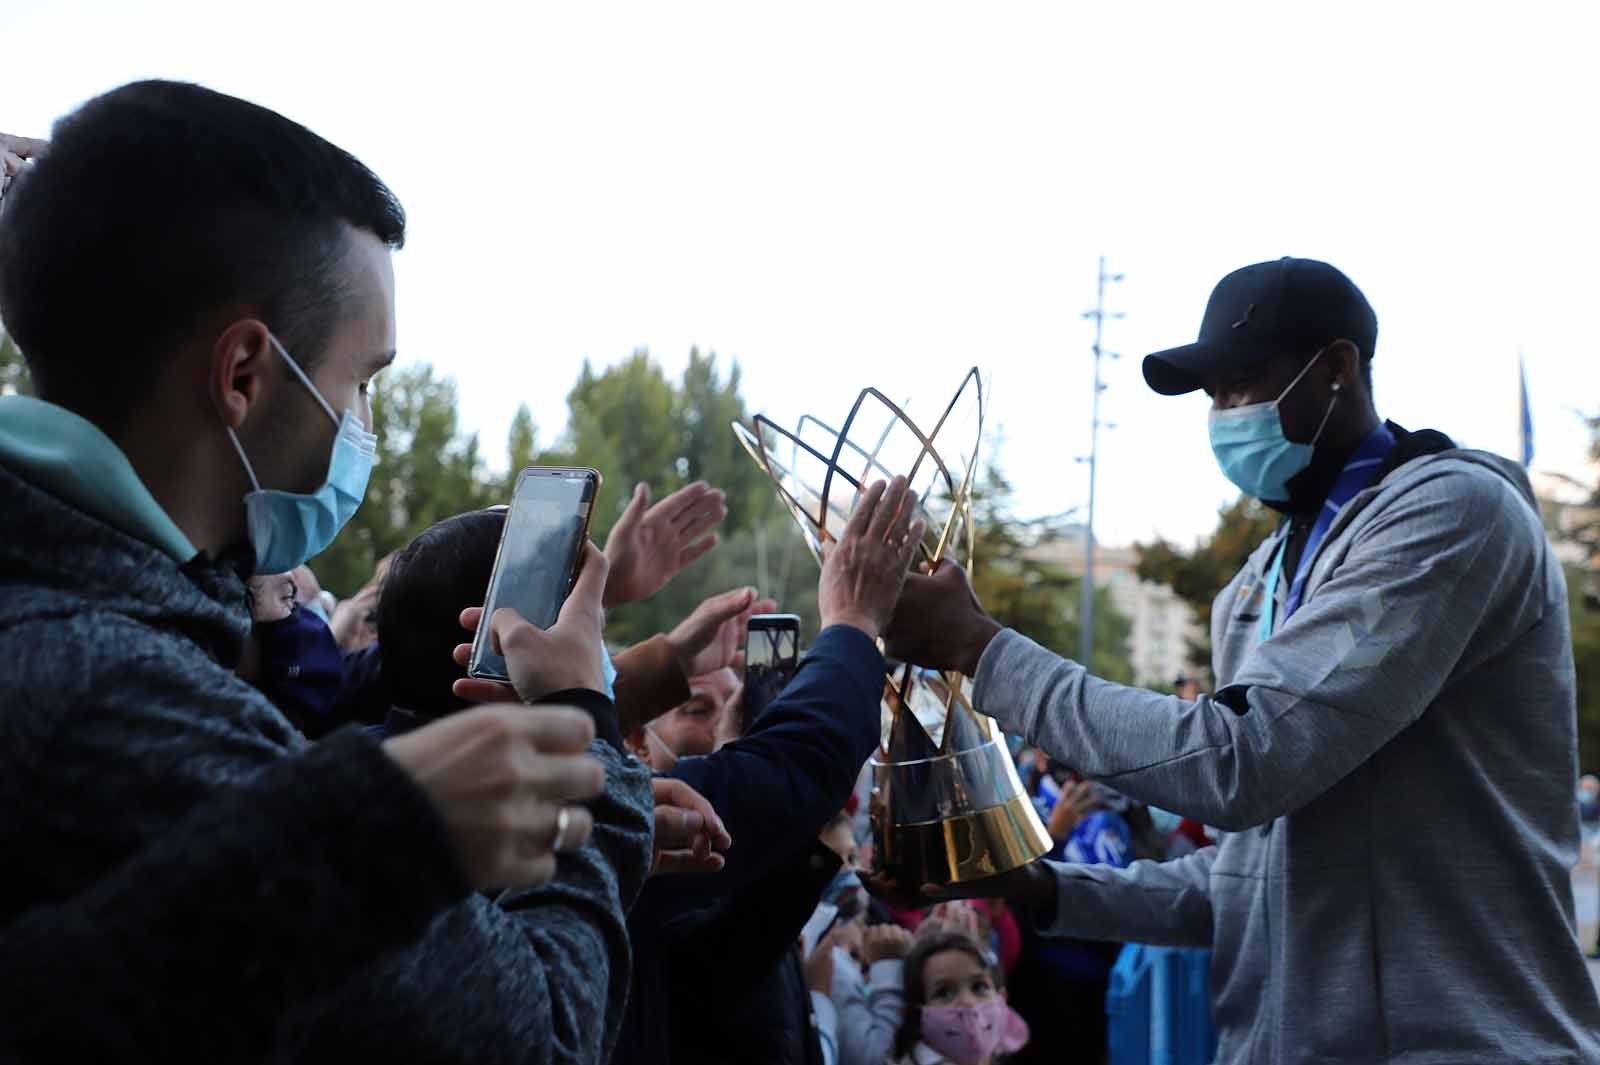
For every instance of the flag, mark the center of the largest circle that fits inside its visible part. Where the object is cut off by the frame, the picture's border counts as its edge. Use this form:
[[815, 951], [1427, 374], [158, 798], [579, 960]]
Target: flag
[[1526, 420]]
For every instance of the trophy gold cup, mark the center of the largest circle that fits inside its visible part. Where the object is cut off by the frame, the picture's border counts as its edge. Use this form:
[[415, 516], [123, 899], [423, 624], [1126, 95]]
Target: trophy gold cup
[[947, 806]]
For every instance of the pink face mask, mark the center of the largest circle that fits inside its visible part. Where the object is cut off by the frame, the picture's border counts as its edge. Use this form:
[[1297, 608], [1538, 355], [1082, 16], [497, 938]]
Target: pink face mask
[[970, 1034]]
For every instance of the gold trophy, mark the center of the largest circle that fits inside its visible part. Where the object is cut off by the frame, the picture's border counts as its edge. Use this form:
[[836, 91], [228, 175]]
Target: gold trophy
[[947, 806]]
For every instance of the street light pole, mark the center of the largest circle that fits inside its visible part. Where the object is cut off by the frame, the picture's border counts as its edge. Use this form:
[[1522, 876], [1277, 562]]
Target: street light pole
[[1099, 315]]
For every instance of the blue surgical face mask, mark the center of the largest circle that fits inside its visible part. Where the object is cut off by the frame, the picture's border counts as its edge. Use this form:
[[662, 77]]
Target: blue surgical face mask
[[1252, 450], [288, 528]]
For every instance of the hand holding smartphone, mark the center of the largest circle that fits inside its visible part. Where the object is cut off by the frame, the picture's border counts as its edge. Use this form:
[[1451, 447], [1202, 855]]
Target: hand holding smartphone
[[536, 564], [771, 656]]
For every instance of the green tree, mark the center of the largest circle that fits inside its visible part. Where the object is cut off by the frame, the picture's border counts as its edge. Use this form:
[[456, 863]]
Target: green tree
[[522, 444], [633, 424], [623, 422], [13, 370], [427, 470], [706, 408], [1197, 576]]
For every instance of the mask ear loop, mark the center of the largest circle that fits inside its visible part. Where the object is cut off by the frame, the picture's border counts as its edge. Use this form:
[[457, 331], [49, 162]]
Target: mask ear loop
[[1326, 414], [313, 388], [248, 469]]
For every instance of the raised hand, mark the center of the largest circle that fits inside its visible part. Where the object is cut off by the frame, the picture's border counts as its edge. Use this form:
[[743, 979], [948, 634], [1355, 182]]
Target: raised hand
[[951, 917], [502, 778], [710, 638], [884, 941], [1077, 800], [819, 966], [863, 571], [650, 545]]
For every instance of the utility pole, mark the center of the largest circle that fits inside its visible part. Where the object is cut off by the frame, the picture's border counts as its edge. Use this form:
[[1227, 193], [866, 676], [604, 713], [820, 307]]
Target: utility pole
[[1099, 315]]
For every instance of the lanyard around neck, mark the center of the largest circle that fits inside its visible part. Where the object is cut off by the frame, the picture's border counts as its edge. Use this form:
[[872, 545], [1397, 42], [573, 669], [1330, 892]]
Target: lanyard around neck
[[1357, 475]]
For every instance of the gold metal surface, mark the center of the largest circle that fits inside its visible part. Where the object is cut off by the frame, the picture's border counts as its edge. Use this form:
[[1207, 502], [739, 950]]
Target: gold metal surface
[[959, 849], [949, 807]]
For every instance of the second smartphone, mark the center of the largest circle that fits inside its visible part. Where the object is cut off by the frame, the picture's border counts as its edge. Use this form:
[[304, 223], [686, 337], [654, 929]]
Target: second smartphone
[[771, 656]]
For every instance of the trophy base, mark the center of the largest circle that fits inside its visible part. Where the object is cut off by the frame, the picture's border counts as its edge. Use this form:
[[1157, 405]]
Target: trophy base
[[972, 846]]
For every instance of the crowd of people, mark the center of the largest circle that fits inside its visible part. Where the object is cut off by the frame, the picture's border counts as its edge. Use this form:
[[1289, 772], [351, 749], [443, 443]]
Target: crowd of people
[[247, 821]]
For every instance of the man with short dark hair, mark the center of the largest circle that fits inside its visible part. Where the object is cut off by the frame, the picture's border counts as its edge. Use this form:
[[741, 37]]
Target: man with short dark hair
[[203, 291], [1394, 673]]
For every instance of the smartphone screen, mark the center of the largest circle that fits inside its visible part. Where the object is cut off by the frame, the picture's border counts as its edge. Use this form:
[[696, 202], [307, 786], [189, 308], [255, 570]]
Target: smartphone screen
[[539, 549], [771, 655]]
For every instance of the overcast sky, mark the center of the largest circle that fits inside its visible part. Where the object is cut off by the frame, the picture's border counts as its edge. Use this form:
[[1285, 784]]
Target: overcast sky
[[843, 194]]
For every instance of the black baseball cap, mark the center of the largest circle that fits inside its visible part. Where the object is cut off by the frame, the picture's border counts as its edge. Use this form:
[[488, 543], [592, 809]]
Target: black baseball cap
[[1263, 310]]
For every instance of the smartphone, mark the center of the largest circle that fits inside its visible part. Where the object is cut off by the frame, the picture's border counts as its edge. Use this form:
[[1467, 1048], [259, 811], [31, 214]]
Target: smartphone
[[546, 528], [771, 655]]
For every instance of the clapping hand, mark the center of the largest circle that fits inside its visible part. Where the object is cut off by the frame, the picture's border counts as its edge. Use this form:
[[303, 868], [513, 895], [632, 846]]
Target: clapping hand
[[710, 638], [650, 545]]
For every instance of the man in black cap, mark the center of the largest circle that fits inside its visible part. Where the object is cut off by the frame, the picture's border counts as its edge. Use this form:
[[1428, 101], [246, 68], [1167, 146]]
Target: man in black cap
[[1391, 748]]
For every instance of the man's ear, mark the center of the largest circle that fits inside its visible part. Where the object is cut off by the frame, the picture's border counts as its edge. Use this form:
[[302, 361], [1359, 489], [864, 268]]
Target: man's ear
[[240, 367], [1344, 364]]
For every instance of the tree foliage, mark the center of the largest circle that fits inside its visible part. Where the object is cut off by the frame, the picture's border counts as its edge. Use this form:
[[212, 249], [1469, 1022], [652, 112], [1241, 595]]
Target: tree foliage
[[427, 470], [1199, 575]]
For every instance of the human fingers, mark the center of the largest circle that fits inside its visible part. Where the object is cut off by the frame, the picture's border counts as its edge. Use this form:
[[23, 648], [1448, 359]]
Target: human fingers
[[861, 515], [547, 826], [634, 512], [680, 508], [688, 862], [887, 511], [674, 793], [471, 618], [589, 591], [704, 514], [559, 730], [475, 690], [510, 633], [697, 550]]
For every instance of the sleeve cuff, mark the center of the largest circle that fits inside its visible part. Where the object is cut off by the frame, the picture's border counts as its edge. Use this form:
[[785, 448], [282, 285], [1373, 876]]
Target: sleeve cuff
[[596, 705], [886, 972], [855, 650], [649, 682]]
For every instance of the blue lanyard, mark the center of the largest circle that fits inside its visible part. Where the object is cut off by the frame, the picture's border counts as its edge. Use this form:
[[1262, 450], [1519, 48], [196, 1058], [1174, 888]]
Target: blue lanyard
[[1357, 475]]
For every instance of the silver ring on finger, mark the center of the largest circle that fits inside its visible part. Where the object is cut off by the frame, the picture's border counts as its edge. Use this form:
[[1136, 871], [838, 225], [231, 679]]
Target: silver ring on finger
[[563, 824]]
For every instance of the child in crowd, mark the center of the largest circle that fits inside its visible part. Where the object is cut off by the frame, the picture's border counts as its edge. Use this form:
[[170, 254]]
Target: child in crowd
[[955, 1005]]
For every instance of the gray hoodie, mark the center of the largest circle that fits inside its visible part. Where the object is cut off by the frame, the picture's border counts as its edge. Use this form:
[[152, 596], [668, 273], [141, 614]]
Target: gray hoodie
[[1394, 768]]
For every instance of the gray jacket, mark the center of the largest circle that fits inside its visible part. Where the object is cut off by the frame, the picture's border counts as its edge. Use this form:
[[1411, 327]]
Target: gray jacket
[[120, 718], [1394, 768]]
